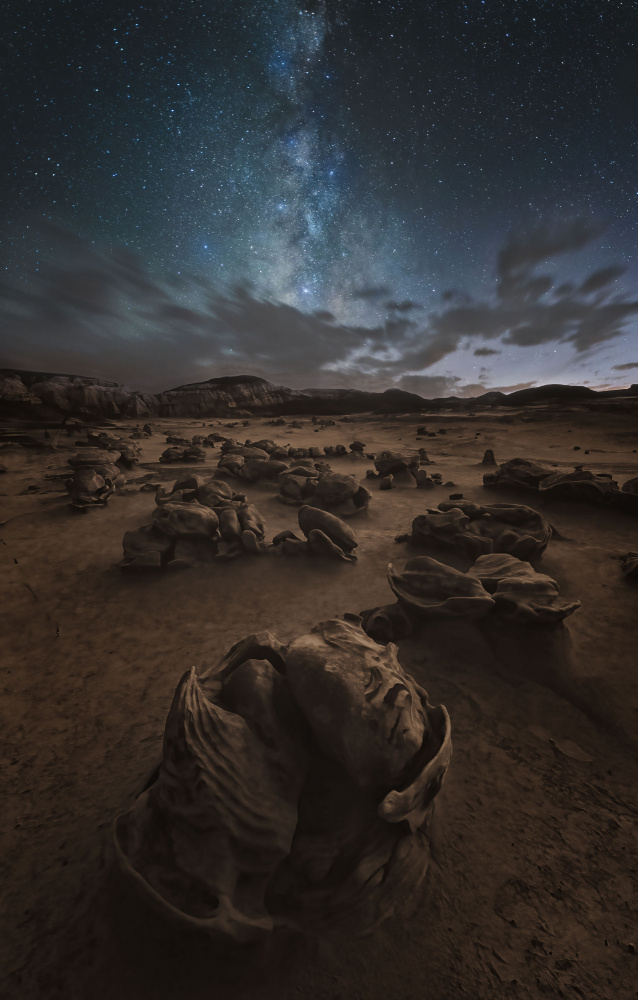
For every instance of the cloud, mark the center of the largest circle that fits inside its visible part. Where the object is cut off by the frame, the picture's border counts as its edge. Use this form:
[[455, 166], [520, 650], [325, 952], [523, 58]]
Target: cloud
[[513, 388], [406, 306], [521, 251], [438, 386], [600, 279], [626, 367], [104, 314], [371, 292]]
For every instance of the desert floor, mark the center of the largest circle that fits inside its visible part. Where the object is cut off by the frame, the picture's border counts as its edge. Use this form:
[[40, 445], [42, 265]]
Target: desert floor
[[530, 891]]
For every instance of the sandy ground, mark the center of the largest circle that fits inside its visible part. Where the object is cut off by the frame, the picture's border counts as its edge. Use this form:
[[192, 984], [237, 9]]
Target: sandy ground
[[530, 892]]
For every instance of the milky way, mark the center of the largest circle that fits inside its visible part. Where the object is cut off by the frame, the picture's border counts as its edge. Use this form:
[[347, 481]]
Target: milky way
[[438, 196]]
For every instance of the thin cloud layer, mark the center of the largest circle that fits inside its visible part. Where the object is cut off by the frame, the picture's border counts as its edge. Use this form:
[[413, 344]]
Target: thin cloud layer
[[103, 314]]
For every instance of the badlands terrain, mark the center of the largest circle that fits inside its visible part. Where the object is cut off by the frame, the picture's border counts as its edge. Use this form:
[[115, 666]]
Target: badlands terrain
[[530, 891]]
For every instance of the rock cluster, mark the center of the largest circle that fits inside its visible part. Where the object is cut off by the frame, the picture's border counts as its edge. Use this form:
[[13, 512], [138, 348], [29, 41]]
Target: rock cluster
[[323, 488], [296, 789], [198, 521], [94, 479], [206, 520], [581, 484], [498, 584], [476, 529], [326, 535]]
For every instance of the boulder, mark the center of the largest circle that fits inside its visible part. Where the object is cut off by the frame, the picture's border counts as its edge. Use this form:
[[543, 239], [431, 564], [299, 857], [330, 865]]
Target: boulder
[[176, 518], [363, 710], [520, 593], [391, 462], [430, 589]]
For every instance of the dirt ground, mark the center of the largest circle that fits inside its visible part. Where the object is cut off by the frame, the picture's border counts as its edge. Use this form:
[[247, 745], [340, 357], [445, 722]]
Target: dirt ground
[[531, 888]]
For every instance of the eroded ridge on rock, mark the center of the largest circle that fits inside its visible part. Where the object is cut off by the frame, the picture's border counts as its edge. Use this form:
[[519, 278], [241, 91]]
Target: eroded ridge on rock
[[296, 789], [598, 488], [477, 529], [498, 584]]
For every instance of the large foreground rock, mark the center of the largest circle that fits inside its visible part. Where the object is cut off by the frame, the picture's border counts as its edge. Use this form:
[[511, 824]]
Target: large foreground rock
[[295, 789]]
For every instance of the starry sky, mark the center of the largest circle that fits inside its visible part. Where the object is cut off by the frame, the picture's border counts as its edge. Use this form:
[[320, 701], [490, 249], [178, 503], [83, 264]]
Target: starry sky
[[437, 196]]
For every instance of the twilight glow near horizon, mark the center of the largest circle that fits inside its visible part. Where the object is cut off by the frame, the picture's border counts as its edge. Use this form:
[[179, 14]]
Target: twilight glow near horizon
[[441, 197]]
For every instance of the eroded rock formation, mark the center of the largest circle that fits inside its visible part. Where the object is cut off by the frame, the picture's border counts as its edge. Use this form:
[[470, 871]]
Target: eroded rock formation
[[295, 790], [475, 529], [498, 584]]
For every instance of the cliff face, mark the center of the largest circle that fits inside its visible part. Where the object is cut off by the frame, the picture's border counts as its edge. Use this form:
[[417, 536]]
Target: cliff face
[[47, 396], [220, 396]]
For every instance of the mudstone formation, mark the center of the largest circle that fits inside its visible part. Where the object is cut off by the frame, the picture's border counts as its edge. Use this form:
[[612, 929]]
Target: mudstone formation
[[296, 789]]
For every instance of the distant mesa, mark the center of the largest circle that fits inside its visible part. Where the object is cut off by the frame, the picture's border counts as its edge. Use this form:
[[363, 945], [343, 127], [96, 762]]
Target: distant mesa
[[50, 396]]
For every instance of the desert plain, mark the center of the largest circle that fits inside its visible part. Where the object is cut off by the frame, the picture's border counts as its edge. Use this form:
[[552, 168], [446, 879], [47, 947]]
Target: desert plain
[[530, 891]]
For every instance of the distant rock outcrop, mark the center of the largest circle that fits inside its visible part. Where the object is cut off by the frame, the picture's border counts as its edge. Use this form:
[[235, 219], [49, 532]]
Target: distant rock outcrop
[[52, 394], [47, 396]]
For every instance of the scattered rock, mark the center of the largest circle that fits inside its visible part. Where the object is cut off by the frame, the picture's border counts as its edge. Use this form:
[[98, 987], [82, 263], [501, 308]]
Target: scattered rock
[[390, 462], [423, 481]]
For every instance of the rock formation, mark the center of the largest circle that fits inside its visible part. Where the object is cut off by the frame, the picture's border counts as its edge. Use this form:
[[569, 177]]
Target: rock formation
[[475, 529], [47, 395], [498, 584], [295, 790]]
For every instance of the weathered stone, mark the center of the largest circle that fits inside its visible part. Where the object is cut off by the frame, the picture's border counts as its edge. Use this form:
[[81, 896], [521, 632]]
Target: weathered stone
[[518, 472], [390, 623], [423, 481], [213, 828], [139, 541], [293, 489], [252, 823], [229, 527], [579, 485], [186, 519], [145, 561], [431, 589], [251, 520], [172, 455], [311, 518], [475, 529], [363, 709], [521, 594], [254, 469], [629, 564], [393, 462], [188, 483], [194, 454]]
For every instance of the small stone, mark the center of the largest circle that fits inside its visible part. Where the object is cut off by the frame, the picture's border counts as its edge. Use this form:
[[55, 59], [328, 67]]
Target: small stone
[[455, 496], [386, 483]]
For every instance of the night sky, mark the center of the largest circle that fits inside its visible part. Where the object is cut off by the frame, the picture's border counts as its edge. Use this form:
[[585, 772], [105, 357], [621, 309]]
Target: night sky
[[437, 196]]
